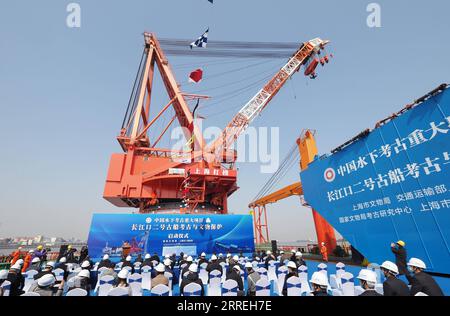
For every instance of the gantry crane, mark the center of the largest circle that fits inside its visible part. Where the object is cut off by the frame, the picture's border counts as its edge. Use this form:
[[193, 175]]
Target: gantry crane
[[325, 233], [201, 178]]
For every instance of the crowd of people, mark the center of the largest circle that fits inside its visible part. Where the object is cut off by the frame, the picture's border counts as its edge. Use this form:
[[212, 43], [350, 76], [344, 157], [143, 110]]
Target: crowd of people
[[47, 285]]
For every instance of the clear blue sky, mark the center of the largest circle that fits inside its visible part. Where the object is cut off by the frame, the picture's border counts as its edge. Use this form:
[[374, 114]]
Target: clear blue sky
[[63, 92]]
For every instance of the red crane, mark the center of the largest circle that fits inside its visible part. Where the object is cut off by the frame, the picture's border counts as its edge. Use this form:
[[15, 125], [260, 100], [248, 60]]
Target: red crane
[[198, 180]]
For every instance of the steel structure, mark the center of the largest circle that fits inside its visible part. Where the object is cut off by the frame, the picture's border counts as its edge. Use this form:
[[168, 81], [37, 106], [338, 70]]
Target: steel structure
[[325, 232], [196, 180]]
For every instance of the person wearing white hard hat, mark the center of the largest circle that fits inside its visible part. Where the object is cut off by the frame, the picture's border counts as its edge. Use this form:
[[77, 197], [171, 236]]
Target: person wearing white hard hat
[[189, 261], [392, 286], [269, 257], [368, 281], [63, 266], [319, 284], [147, 262], [192, 277], [168, 264], [231, 263], [82, 281], [252, 278], [122, 278], [105, 262], [159, 277], [299, 259], [420, 280], [127, 263], [45, 286], [48, 269], [16, 255], [202, 259], [235, 274], [35, 264], [292, 271], [17, 280], [214, 265]]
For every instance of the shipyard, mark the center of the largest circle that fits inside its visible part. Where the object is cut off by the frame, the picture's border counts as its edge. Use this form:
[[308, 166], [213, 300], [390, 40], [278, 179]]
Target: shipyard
[[166, 151]]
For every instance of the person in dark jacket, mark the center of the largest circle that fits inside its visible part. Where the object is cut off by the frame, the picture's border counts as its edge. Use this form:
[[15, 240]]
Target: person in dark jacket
[[299, 259], [84, 253], [214, 265], [393, 286], [269, 257], [155, 257], [231, 263], [70, 254], [292, 267], [35, 264], [48, 269], [63, 266], [168, 266], [189, 261], [421, 281], [139, 259], [147, 261], [105, 262], [17, 280], [235, 275], [202, 259], [192, 277], [368, 281], [127, 263], [398, 249]]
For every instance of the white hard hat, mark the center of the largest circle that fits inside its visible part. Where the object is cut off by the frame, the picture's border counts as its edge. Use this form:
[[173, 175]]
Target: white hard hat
[[281, 252], [63, 260], [323, 244], [228, 255], [84, 274], [128, 258], [3, 274], [147, 256], [16, 266], [203, 254], [220, 255], [390, 266], [46, 280], [235, 258], [167, 262], [293, 250], [268, 252], [291, 264], [123, 274], [319, 278], [185, 256], [105, 257], [160, 268], [257, 258], [31, 251], [248, 265], [189, 259], [368, 276], [35, 260], [414, 262], [237, 267], [50, 264], [20, 261], [298, 254], [85, 264], [193, 267], [213, 257]]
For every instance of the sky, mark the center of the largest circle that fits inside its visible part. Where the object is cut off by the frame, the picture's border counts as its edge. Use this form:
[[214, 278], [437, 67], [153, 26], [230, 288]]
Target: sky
[[64, 91]]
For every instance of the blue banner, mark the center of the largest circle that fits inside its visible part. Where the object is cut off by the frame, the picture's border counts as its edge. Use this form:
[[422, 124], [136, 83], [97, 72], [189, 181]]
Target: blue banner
[[168, 234], [391, 185]]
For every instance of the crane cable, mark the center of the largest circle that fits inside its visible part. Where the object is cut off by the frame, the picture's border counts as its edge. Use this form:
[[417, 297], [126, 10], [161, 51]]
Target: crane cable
[[292, 157]]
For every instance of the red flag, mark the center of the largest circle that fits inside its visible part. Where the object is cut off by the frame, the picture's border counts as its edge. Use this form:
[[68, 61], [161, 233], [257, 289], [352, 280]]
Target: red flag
[[196, 76]]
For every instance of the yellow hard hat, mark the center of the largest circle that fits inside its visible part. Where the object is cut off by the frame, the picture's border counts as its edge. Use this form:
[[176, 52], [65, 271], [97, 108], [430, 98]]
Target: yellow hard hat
[[39, 247], [401, 243]]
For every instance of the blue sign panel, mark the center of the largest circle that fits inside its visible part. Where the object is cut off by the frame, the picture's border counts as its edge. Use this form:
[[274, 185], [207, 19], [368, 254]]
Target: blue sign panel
[[168, 234], [392, 185]]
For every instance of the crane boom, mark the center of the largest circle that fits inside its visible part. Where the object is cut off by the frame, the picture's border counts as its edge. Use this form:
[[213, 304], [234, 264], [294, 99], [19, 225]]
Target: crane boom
[[255, 106]]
